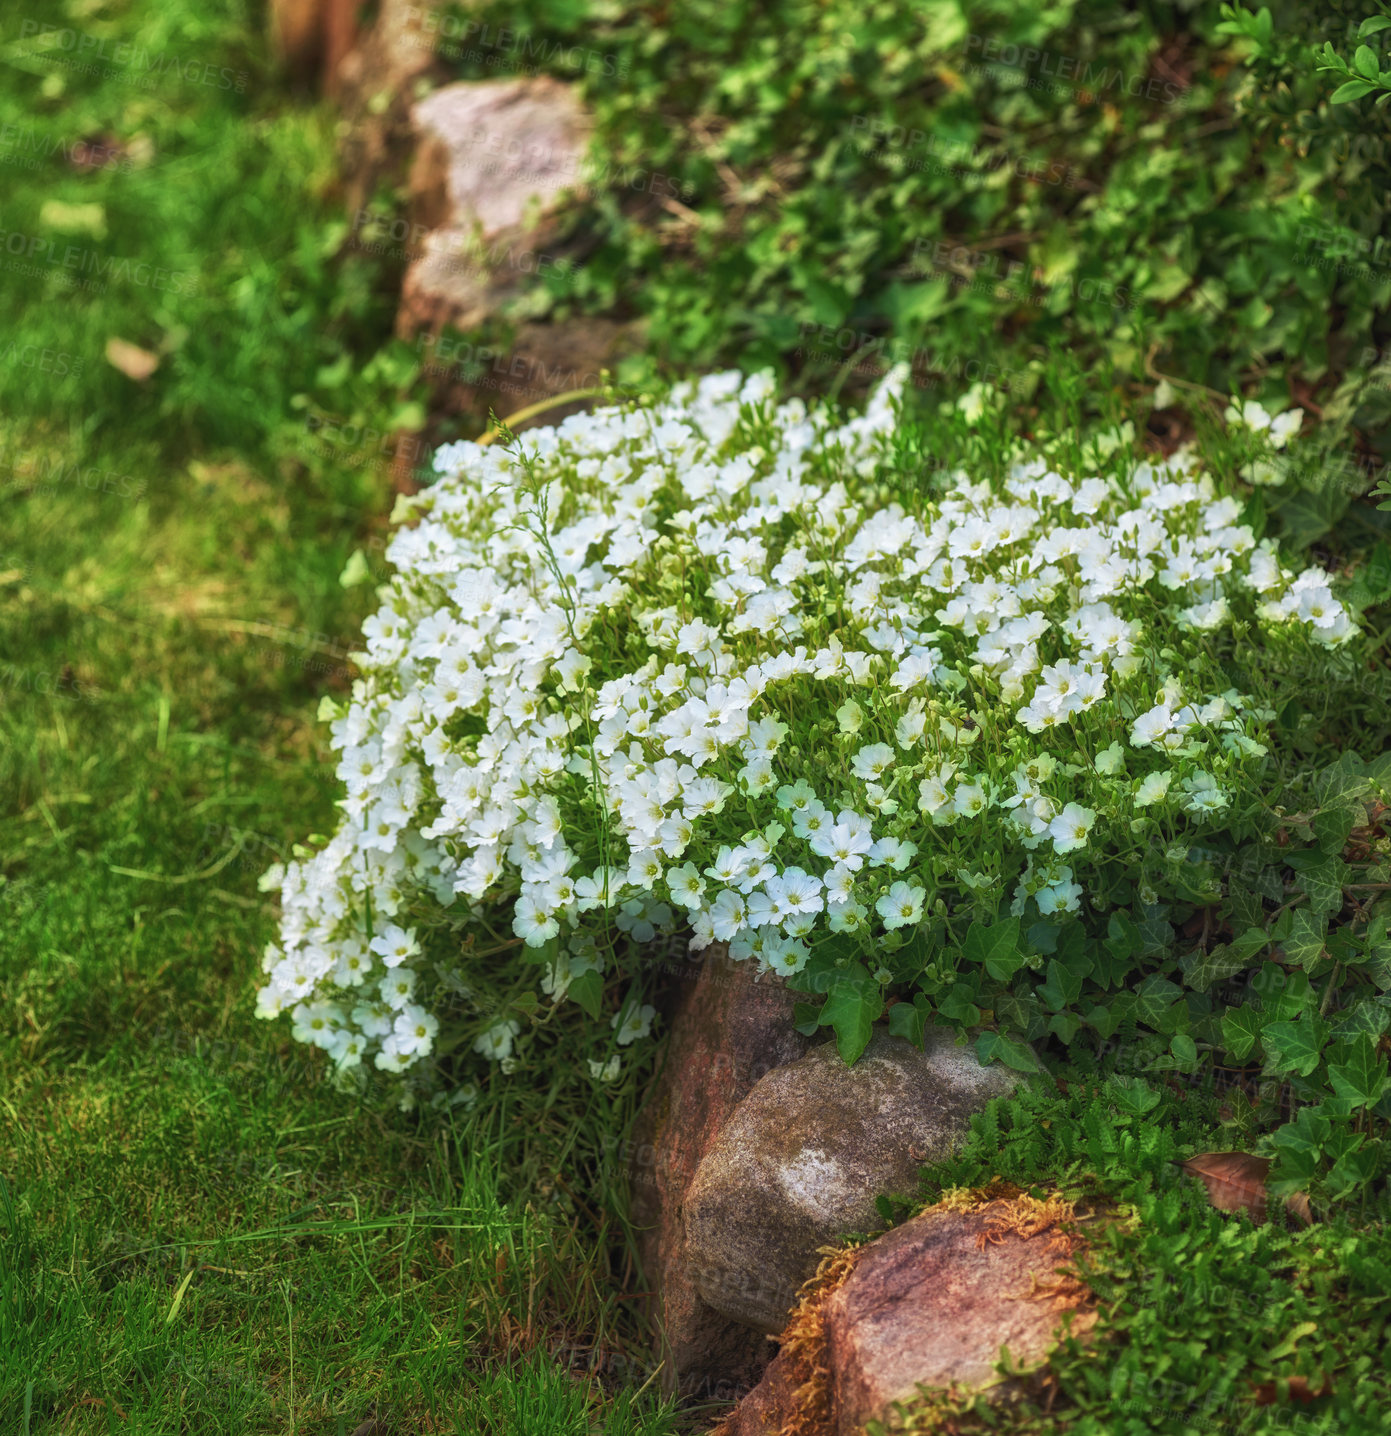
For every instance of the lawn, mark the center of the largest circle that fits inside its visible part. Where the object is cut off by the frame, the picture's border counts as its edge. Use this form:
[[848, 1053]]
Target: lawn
[[199, 1231]]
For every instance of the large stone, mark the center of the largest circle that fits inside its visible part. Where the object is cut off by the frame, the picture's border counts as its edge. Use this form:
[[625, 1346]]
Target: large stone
[[727, 1028], [931, 1305], [936, 1301], [393, 63], [496, 185], [494, 161], [804, 1156]]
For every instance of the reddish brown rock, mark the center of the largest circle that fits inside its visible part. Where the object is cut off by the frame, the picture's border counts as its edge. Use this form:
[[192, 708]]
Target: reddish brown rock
[[934, 1301], [803, 1159], [928, 1305], [727, 1029], [393, 63]]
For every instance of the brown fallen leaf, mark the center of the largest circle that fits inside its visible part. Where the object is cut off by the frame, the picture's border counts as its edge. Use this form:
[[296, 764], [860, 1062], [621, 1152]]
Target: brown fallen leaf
[[1236, 1182], [134, 362], [1268, 1392]]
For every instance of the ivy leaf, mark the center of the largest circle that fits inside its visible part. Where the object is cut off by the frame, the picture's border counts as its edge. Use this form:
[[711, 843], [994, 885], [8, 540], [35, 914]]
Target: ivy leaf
[[1305, 941], [1063, 988], [1295, 1046], [1134, 1095], [1153, 999], [996, 948], [1184, 1049], [1224, 961], [1367, 1015], [1331, 828], [959, 1005], [588, 990], [853, 1004], [1015, 1055], [909, 1019], [1241, 1029], [1064, 1025], [1357, 1073], [1283, 994], [1324, 884]]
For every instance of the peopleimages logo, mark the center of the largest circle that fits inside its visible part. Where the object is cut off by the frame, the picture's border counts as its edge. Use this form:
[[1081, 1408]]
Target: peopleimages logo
[[1071, 70], [77, 48], [92, 263]]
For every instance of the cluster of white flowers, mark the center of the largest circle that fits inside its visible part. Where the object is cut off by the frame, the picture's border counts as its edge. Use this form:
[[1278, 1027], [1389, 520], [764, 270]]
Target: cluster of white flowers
[[717, 659]]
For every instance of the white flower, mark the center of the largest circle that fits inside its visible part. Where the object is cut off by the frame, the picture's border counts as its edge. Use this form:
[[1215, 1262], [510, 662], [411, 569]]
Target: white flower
[[395, 945], [752, 671], [633, 1023], [902, 905], [415, 1030], [1070, 828], [397, 988], [1111, 760], [872, 762], [1152, 789], [496, 1043], [686, 885]]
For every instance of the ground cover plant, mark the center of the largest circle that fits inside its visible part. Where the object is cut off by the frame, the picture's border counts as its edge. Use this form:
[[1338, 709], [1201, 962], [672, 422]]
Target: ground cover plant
[[1206, 1321], [973, 744]]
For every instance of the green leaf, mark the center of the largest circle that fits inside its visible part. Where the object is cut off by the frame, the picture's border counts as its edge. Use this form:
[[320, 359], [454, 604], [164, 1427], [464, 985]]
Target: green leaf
[[588, 990], [959, 1005], [1294, 1046], [1133, 1095], [1241, 1029], [991, 1046], [1064, 1025], [995, 948], [1357, 1073], [1305, 941], [1184, 1049], [1365, 62], [852, 1007], [1331, 829], [1225, 960], [1323, 882], [1373, 25], [806, 1018], [1153, 999], [1352, 90], [909, 1019], [1063, 988]]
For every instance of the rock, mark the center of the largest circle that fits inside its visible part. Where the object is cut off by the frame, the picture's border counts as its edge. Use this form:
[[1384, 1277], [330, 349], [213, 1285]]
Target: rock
[[727, 1028], [497, 166], [494, 159], [931, 1303], [801, 1161], [313, 36], [393, 64]]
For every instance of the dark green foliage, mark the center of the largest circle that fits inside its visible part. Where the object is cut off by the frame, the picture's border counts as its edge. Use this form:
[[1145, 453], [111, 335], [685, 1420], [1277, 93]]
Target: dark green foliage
[[1199, 1309]]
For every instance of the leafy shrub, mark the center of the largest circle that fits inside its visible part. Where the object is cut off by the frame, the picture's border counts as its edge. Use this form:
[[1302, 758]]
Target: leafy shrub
[[720, 662], [826, 185]]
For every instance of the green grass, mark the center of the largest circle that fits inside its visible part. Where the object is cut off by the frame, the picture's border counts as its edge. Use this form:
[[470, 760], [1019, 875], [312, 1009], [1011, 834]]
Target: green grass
[[197, 1233]]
